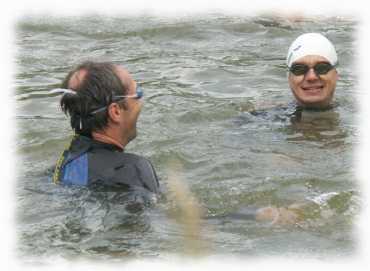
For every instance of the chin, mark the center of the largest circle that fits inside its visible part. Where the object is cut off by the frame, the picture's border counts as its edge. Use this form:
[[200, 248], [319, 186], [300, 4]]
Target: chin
[[312, 100]]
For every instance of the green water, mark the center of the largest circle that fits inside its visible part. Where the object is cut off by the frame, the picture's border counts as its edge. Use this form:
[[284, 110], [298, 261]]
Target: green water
[[201, 77]]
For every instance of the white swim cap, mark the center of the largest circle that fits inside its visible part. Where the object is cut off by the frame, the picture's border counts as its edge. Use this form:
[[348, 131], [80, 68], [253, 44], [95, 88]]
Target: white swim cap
[[311, 44]]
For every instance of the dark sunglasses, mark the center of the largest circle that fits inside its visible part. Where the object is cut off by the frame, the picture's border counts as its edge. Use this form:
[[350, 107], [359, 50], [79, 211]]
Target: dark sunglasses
[[138, 95], [319, 69]]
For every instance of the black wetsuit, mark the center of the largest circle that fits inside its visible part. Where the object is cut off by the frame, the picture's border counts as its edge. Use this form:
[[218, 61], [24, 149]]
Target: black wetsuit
[[291, 112], [88, 162]]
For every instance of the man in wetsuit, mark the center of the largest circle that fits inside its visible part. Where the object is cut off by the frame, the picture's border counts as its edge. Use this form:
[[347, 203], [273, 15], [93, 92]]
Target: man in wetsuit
[[104, 103], [312, 77]]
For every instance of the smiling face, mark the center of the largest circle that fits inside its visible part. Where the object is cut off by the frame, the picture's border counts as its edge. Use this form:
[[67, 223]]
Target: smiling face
[[312, 90]]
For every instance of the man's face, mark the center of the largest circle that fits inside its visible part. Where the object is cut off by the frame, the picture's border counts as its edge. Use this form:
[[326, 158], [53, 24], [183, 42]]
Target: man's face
[[130, 113], [312, 90]]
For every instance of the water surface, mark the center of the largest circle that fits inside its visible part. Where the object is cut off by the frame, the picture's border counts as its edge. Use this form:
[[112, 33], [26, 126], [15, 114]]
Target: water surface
[[202, 77]]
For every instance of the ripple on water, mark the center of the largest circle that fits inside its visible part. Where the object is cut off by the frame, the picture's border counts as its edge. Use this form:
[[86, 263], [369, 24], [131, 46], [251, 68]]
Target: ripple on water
[[203, 78]]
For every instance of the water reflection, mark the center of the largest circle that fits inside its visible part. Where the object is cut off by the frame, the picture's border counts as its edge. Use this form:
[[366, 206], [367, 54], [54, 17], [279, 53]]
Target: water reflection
[[299, 124], [93, 221], [315, 125], [197, 82]]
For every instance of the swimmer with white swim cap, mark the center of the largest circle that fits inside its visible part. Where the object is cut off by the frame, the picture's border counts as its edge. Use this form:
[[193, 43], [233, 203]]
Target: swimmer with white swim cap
[[312, 77]]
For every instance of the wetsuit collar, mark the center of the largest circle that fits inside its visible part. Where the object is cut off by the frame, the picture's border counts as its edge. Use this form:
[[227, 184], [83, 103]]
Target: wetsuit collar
[[302, 107]]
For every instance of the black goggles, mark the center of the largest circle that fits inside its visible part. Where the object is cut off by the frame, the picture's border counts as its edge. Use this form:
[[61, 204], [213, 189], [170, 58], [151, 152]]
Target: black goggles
[[319, 69]]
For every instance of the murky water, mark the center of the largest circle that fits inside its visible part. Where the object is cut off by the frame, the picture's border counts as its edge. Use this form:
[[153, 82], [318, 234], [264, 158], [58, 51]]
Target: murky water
[[202, 77]]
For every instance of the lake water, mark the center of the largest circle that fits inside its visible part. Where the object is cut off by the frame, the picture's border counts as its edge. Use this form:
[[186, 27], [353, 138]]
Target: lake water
[[202, 76]]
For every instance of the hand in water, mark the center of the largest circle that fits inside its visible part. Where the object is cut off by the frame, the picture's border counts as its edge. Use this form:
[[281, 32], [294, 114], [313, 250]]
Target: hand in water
[[281, 216]]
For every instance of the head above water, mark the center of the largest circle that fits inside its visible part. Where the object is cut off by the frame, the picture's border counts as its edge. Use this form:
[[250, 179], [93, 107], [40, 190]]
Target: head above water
[[101, 101], [311, 61]]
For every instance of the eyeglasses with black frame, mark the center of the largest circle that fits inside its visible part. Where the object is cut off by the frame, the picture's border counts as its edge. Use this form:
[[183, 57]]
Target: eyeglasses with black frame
[[321, 68]]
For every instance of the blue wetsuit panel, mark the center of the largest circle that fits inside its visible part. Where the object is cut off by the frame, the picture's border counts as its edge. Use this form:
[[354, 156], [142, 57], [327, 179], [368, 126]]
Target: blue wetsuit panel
[[76, 171]]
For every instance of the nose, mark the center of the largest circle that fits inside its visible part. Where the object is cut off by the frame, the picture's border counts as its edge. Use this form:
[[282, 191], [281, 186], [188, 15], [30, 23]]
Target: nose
[[311, 75]]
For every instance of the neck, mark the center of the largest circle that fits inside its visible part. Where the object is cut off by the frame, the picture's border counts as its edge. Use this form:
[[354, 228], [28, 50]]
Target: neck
[[317, 107], [102, 137]]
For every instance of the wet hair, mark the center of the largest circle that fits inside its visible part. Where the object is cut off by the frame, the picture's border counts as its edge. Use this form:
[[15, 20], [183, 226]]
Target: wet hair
[[95, 90]]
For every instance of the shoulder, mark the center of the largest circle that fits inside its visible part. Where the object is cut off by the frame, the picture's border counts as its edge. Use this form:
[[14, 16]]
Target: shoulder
[[85, 163], [278, 113], [120, 168], [71, 167]]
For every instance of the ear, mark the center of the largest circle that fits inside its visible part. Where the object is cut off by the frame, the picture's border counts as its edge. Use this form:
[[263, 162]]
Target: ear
[[114, 112]]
